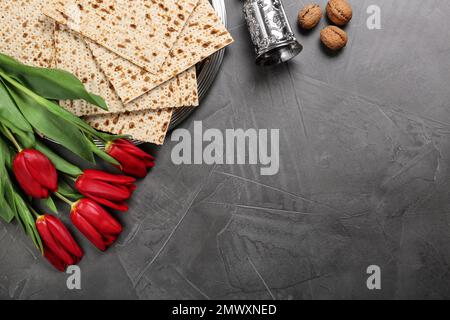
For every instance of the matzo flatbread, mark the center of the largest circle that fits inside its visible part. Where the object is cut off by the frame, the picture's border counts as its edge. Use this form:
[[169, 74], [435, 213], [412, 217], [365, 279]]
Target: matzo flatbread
[[203, 35], [148, 125], [25, 33], [140, 31], [188, 95], [73, 55]]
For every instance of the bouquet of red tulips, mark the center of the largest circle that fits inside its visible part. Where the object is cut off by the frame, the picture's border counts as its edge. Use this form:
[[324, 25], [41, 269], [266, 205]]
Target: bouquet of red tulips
[[29, 169]]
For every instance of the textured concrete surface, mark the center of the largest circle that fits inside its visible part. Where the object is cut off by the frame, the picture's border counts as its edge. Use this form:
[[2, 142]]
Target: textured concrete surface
[[364, 180]]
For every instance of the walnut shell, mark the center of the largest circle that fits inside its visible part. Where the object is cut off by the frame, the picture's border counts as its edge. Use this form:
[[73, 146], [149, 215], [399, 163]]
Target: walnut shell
[[333, 38], [339, 12], [309, 16]]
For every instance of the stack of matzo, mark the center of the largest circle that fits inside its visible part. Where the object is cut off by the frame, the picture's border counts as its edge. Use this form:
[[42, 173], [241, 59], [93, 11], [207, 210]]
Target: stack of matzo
[[139, 55]]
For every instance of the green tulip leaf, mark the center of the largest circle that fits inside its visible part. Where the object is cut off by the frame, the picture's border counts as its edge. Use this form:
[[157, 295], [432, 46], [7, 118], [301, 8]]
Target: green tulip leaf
[[27, 220], [50, 204], [6, 213], [5, 153], [52, 84], [27, 140], [9, 113], [67, 191], [60, 163], [58, 110], [52, 126]]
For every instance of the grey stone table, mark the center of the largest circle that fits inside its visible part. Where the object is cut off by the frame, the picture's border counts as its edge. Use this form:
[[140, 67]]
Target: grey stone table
[[364, 180]]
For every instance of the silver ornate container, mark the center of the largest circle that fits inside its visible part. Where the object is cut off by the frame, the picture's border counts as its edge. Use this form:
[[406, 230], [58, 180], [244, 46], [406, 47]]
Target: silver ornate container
[[270, 31]]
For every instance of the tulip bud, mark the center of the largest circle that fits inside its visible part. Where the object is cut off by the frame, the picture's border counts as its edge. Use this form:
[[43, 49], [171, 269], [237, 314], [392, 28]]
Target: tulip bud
[[35, 173], [107, 189], [60, 248], [133, 161], [95, 223]]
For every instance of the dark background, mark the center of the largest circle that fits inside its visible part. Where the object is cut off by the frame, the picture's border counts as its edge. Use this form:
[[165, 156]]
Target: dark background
[[364, 179]]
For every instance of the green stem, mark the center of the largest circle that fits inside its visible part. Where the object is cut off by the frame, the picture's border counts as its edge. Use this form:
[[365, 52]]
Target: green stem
[[11, 137], [37, 215], [90, 137], [60, 196], [73, 178]]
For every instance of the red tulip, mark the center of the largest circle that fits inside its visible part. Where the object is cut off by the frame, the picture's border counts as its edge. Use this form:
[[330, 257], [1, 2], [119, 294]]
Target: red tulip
[[35, 173], [133, 161], [60, 248], [95, 223], [107, 189]]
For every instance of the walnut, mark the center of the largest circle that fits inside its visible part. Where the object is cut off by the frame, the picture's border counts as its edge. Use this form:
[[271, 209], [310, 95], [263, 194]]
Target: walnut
[[310, 16], [339, 12], [333, 38]]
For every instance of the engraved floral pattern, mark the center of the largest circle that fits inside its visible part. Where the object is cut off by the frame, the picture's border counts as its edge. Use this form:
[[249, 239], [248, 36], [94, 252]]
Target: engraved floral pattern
[[267, 24]]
